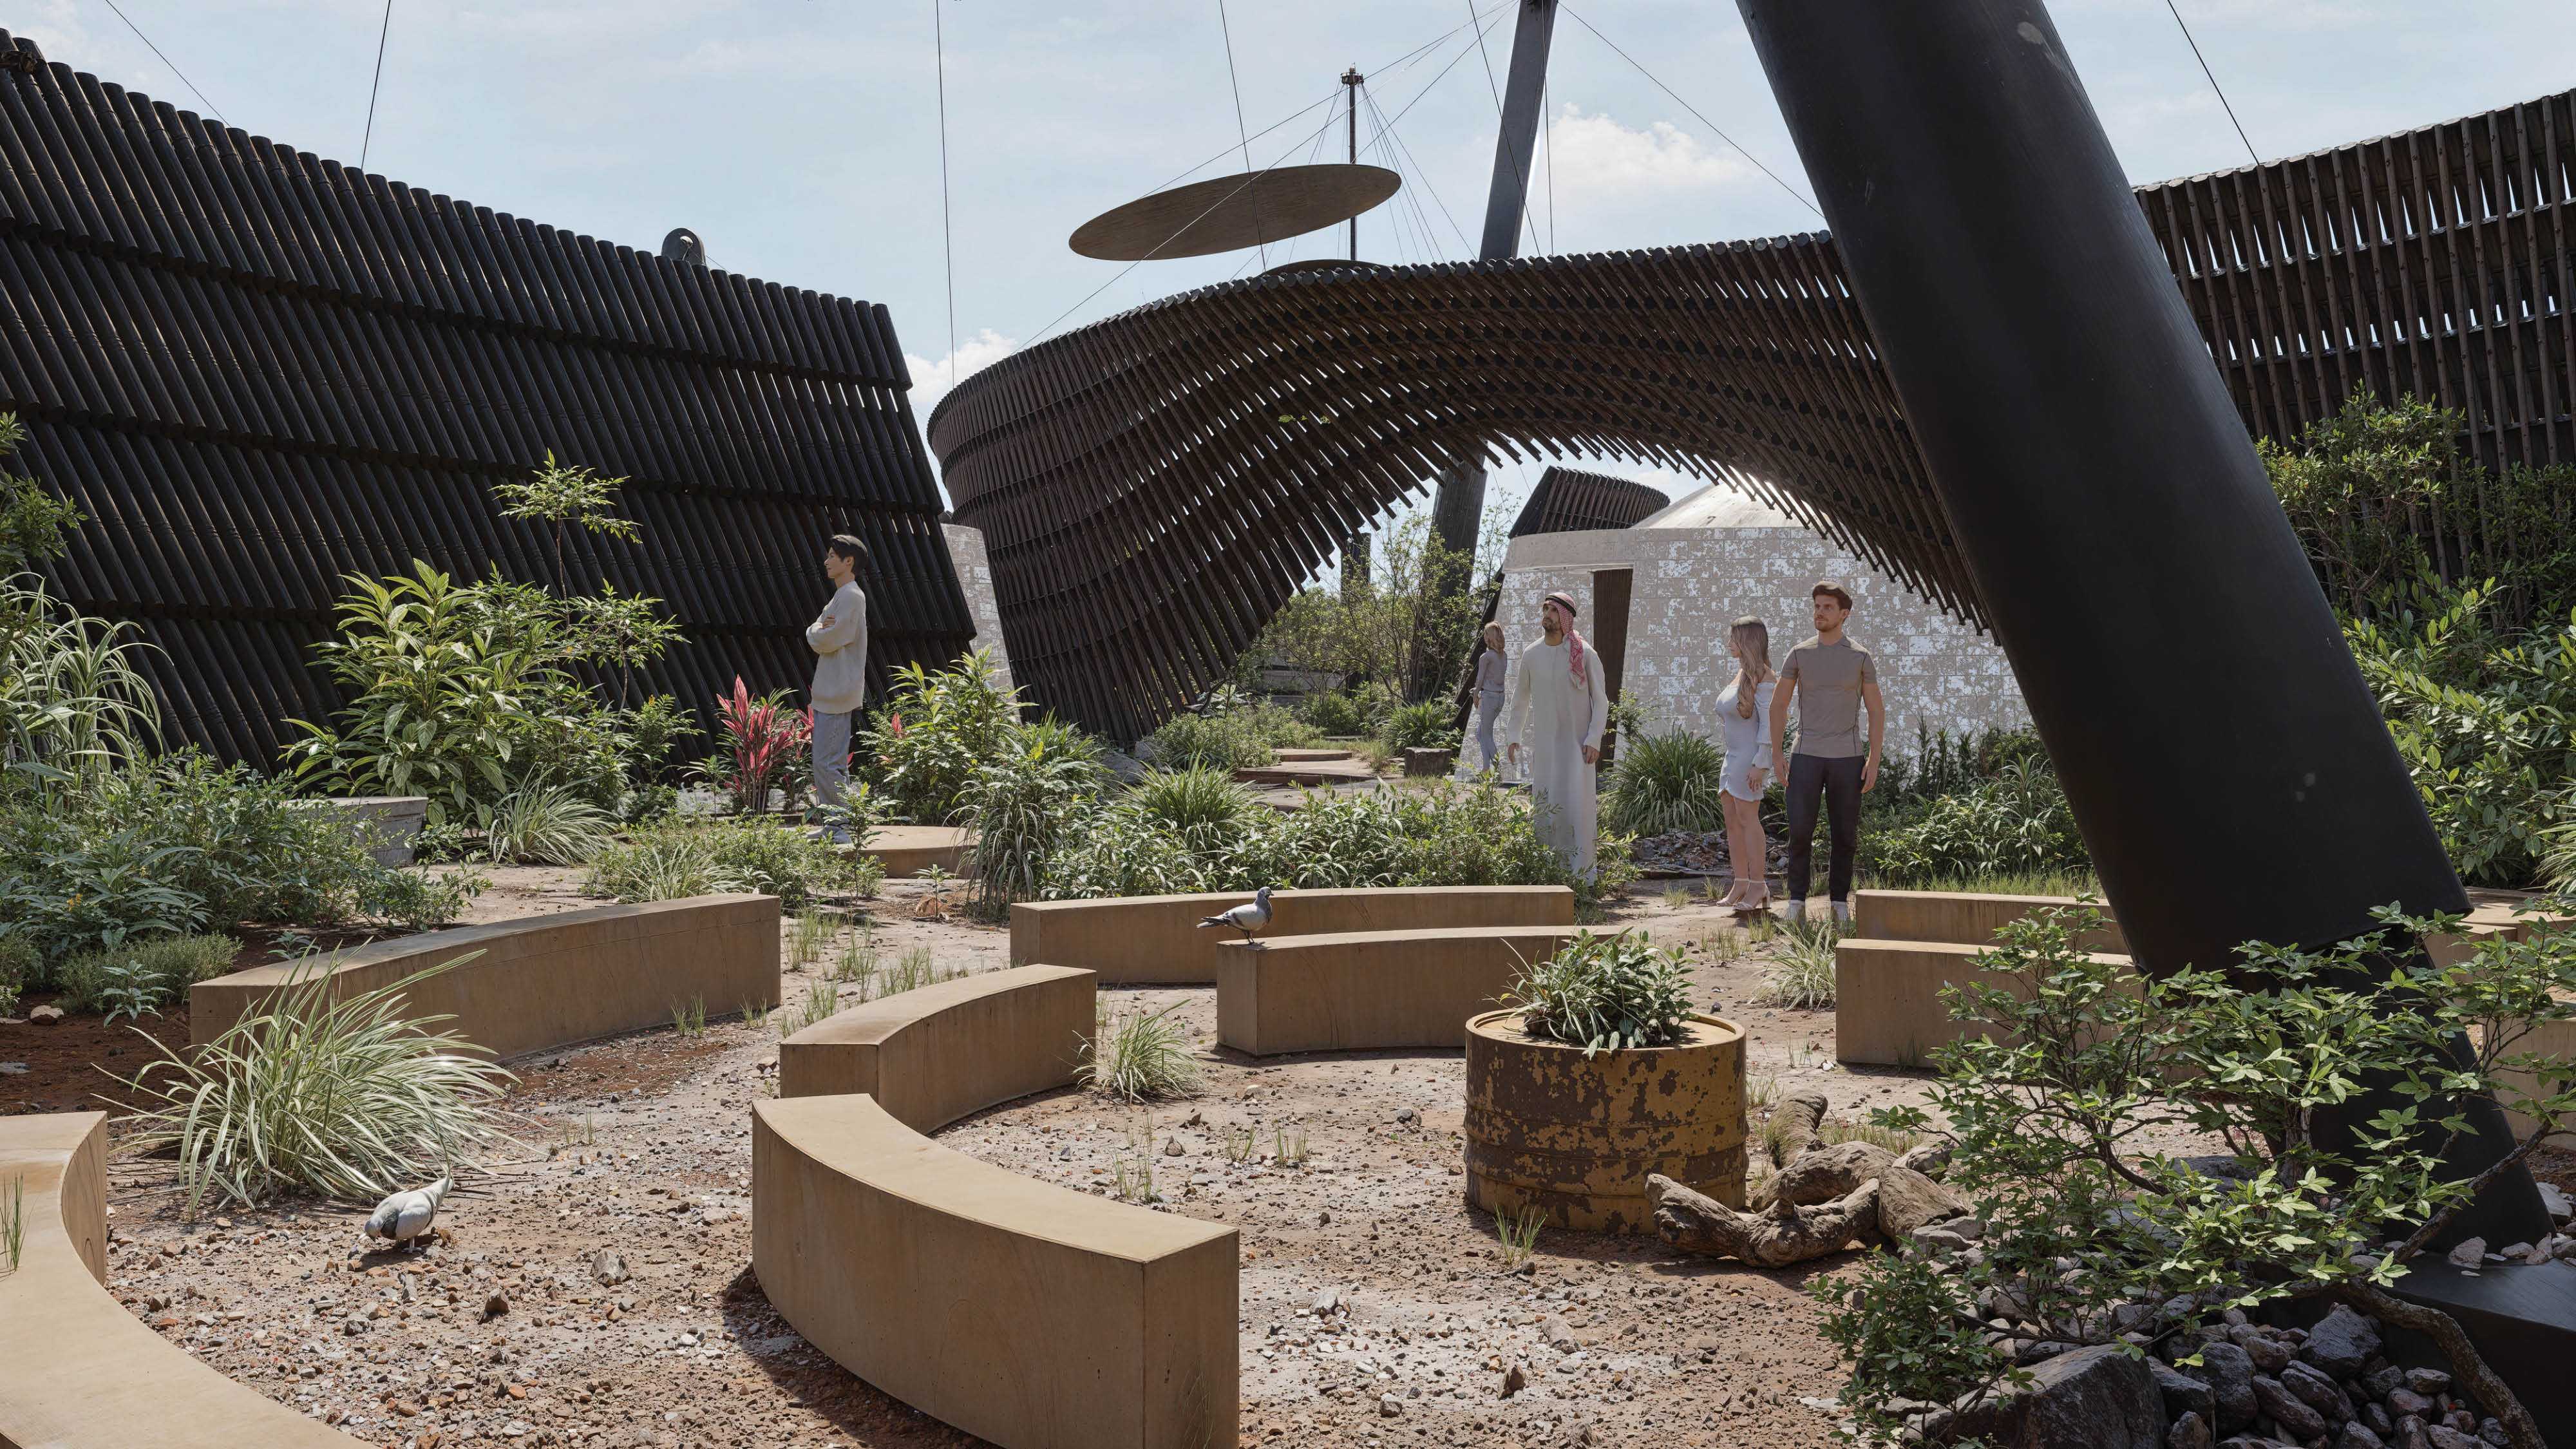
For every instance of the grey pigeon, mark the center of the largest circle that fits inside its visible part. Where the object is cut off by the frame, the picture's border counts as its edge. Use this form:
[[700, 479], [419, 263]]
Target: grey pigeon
[[406, 1215], [1247, 918]]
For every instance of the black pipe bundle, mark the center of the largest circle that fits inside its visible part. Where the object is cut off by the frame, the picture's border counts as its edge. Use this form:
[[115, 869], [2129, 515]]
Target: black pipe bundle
[[258, 371]]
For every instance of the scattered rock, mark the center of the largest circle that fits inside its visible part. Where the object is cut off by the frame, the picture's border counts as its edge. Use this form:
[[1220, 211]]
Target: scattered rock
[[2269, 1354], [1325, 1302], [44, 1015], [13, 1069], [2406, 1402], [1559, 1335], [1389, 1406], [2287, 1409], [2318, 1392], [495, 1306], [2340, 1343], [2443, 1436], [2560, 1210], [2101, 1397], [2357, 1435], [1932, 1159], [1515, 1379], [1172, 1147], [2190, 1431], [2183, 1394], [608, 1269], [2428, 1381], [2231, 1384], [1406, 1116], [2471, 1253], [1939, 1240]]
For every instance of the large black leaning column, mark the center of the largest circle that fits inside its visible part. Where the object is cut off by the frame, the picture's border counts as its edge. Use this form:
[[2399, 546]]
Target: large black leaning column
[[2226, 763]]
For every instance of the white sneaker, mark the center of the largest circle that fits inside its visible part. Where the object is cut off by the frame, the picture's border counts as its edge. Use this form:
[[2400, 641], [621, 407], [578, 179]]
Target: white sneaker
[[1794, 912], [1842, 912]]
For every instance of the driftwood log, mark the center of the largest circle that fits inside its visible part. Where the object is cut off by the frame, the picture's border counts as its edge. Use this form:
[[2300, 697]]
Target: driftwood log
[[1799, 1118], [1785, 1234]]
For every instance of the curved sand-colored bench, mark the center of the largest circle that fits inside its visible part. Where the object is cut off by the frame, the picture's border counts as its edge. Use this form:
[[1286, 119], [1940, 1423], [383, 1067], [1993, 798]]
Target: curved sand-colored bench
[[934, 1055], [1026, 1314], [548, 981], [78, 1371], [1156, 940], [908, 850], [1353, 990]]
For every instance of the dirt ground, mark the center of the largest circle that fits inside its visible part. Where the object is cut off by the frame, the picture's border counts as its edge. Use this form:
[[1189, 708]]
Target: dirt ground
[[1376, 1308]]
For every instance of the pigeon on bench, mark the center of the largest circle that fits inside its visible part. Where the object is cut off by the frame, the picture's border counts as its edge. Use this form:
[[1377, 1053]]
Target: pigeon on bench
[[1247, 918], [406, 1215]]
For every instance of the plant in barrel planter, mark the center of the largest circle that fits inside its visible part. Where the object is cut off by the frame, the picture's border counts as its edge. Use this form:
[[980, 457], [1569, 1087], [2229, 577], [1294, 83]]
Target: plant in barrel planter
[[1596, 1074]]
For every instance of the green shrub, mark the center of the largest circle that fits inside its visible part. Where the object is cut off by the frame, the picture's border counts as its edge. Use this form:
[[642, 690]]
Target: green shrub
[[1143, 1057], [418, 901], [19, 968], [1664, 783], [922, 745], [1219, 742], [1019, 805], [1201, 805], [1334, 714], [1801, 974], [348, 1099], [666, 863], [1423, 726], [2015, 823], [546, 824], [674, 860], [73, 706], [163, 967], [1606, 993], [74, 888]]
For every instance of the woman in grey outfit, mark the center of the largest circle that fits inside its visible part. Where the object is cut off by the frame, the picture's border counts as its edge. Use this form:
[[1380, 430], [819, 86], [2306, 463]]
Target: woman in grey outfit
[[1489, 694]]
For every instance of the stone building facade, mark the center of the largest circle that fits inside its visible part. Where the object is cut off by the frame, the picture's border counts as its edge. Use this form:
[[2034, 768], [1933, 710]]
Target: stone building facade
[[975, 577], [1717, 556]]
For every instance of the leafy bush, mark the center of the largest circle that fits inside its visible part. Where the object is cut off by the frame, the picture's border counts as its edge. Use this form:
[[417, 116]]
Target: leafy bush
[[769, 745], [1423, 726], [163, 968], [1664, 783], [2052, 1106], [1203, 807], [19, 966], [418, 901], [669, 863], [1606, 993], [78, 889], [923, 744], [348, 1098], [35, 521], [1219, 742], [2018, 821], [1335, 713], [1020, 804], [546, 824]]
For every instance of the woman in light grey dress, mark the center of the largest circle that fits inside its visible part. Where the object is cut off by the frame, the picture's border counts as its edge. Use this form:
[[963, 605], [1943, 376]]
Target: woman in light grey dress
[[1489, 695], [1745, 710]]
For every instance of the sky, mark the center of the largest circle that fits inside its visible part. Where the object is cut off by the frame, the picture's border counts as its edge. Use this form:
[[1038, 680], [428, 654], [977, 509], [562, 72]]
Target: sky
[[802, 138]]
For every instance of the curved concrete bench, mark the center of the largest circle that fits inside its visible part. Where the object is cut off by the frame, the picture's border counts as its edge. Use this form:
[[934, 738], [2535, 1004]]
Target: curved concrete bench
[[548, 981], [77, 1371], [1965, 918], [1155, 940], [908, 850], [1888, 1009], [933, 1055], [1351, 990], [1023, 1313]]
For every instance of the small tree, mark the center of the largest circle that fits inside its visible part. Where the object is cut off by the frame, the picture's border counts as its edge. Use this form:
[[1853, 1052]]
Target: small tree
[[2085, 1065], [34, 520], [563, 495]]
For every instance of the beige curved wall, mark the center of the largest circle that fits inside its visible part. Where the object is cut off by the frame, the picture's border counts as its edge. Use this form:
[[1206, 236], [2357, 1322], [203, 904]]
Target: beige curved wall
[[1026, 1314], [77, 1371], [933, 1055], [1352, 991], [1156, 940], [549, 981]]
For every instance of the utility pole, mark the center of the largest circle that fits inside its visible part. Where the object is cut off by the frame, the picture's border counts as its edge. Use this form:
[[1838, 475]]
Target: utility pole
[[1458, 508], [1355, 544]]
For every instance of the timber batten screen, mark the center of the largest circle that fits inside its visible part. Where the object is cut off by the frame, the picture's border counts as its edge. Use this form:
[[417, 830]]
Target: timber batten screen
[[257, 371], [1152, 487]]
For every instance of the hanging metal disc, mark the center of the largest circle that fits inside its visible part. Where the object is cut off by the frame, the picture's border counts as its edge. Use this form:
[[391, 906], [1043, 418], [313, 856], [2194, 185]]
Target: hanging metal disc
[[1234, 212]]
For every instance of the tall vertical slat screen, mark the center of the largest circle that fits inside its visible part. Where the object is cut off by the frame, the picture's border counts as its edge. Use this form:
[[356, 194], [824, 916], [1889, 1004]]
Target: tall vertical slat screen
[[257, 371]]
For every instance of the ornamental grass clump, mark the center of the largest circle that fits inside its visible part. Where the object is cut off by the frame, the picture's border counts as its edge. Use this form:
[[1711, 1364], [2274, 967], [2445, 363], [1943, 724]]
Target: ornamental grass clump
[[1802, 974], [1663, 783], [1143, 1057], [545, 824], [346, 1098], [1606, 993]]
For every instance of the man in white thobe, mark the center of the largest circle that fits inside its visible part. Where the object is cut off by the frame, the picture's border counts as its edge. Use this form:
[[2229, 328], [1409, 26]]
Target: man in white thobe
[[1559, 706]]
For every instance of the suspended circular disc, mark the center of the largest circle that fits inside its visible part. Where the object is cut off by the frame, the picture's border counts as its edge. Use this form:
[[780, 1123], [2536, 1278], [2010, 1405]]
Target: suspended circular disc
[[1234, 212]]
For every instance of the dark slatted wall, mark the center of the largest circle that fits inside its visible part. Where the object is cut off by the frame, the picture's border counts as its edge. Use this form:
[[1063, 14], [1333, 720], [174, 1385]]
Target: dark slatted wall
[[1153, 486], [1569, 500], [257, 371]]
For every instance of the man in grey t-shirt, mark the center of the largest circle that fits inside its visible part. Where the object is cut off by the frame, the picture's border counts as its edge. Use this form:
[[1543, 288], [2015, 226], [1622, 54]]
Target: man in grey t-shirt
[[1831, 678], [839, 639]]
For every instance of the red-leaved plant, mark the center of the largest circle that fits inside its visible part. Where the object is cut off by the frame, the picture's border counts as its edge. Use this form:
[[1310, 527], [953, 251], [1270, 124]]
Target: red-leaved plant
[[766, 737]]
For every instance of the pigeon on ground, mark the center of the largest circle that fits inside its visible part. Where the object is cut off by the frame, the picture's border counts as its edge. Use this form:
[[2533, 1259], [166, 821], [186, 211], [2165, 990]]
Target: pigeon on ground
[[406, 1215], [1246, 918]]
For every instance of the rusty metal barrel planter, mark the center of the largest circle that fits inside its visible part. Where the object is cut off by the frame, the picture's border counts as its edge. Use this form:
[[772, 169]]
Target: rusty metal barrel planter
[[1577, 1137]]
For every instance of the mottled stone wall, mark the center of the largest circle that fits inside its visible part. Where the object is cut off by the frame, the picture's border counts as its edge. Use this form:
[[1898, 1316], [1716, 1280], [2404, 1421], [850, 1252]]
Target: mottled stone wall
[[1691, 583], [975, 576]]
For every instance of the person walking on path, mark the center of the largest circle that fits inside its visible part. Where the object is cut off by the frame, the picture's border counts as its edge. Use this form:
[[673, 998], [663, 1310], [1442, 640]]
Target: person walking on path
[[840, 642], [1830, 677], [1745, 710], [1489, 695], [1559, 706]]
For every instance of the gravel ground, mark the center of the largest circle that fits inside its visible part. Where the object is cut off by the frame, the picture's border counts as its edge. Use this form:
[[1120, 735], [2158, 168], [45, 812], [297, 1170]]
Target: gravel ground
[[1376, 1307]]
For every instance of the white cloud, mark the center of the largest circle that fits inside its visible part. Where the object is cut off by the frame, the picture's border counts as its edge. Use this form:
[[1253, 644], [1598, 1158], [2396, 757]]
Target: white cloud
[[1599, 160], [931, 380]]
